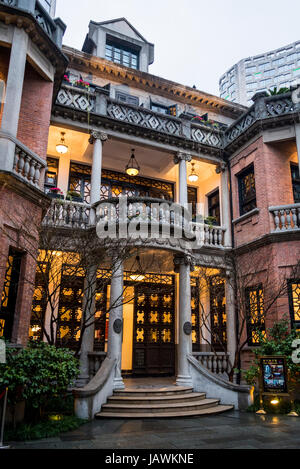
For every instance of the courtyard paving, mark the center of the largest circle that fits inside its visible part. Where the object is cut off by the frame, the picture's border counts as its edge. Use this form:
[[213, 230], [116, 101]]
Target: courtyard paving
[[231, 430]]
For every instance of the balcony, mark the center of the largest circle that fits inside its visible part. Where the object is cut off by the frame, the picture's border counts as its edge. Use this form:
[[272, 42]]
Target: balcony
[[95, 102], [155, 221], [286, 218], [53, 28]]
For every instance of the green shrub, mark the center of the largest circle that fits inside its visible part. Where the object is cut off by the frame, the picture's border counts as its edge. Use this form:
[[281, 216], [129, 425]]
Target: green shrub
[[37, 374], [278, 341], [44, 429]]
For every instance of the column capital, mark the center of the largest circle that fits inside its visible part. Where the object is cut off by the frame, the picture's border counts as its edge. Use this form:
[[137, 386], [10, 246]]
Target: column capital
[[97, 135], [221, 167], [184, 259], [182, 156]]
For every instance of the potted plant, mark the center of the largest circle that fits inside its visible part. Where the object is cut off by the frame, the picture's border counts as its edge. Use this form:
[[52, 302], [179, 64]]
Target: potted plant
[[211, 221], [55, 193], [74, 196]]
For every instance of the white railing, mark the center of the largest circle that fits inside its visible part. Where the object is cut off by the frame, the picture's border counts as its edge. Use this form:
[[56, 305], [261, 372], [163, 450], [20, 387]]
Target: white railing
[[216, 362], [28, 166], [209, 235], [67, 214], [286, 217]]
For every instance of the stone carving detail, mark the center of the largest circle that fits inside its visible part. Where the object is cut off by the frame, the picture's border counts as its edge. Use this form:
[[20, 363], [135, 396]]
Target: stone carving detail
[[144, 118], [95, 134], [118, 326], [187, 328], [76, 99], [181, 156], [278, 107], [240, 126], [11, 3], [206, 136], [221, 168]]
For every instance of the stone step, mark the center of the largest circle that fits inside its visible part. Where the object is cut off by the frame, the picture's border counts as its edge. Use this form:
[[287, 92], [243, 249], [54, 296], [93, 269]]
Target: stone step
[[158, 391], [218, 409], [169, 399], [160, 408]]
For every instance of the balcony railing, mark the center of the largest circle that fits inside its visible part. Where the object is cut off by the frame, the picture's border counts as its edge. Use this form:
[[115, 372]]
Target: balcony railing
[[29, 166], [217, 363], [67, 214], [96, 101], [209, 235], [40, 14], [286, 217]]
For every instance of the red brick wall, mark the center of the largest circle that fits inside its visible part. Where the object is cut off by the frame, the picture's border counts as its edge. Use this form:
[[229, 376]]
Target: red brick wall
[[16, 213], [35, 112], [4, 62], [273, 185]]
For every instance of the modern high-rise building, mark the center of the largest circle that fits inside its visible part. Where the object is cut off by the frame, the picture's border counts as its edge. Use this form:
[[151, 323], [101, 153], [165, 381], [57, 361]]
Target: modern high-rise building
[[278, 68]]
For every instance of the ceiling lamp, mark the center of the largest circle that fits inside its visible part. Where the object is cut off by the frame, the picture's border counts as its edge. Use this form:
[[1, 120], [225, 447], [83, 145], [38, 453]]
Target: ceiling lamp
[[193, 176], [62, 148], [132, 168], [137, 276]]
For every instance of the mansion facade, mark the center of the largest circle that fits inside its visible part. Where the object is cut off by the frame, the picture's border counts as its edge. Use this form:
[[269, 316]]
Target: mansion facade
[[80, 132]]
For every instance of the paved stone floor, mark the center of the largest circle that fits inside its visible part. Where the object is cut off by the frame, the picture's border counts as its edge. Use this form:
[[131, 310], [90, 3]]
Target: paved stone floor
[[236, 430]]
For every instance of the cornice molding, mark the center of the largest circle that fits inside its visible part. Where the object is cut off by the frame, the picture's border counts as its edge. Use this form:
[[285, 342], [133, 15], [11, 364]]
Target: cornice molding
[[152, 83]]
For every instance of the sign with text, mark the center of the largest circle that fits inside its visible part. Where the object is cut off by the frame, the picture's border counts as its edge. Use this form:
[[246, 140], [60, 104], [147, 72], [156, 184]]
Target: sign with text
[[274, 375]]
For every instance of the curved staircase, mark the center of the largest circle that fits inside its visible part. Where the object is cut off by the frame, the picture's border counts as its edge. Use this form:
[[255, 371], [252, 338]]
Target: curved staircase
[[163, 402]]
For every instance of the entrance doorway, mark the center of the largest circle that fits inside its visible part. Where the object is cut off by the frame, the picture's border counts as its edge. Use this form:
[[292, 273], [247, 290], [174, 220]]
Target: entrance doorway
[[154, 326]]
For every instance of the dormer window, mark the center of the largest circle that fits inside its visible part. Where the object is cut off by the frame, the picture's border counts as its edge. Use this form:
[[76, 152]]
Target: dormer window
[[122, 54]]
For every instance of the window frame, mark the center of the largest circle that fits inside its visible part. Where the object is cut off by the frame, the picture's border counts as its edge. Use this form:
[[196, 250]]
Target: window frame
[[295, 181], [122, 48], [294, 323], [254, 327], [243, 201]]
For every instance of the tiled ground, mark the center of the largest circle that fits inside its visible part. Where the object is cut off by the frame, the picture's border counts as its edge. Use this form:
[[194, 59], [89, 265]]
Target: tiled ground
[[236, 430]]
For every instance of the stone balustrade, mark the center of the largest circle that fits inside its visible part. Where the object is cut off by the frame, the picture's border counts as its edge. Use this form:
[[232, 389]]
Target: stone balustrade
[[29, 166], [217, 363], [286, 217], [67, 214], [141, 209], [95, 362], [208, 235]]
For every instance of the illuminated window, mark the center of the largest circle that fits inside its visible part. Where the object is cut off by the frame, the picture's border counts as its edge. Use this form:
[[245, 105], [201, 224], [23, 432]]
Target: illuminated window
[[295, 182], [10, 293], [294, 302], [255, 315], [247, 190]]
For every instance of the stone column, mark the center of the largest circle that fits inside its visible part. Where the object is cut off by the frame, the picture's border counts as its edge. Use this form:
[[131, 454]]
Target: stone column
[[88, 307], [231, 316], [225, 203], [115, 328], [297, 132], [13, 97], [181, 159], [97, 139], [183, 266]]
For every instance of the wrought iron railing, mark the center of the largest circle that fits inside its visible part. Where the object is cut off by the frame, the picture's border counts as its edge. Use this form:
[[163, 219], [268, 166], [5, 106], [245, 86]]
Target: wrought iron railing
[[286, 217]]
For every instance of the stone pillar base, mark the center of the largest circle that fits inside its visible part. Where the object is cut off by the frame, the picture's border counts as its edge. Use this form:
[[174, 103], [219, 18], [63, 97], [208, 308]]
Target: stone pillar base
[[119, 383], [184, 381]]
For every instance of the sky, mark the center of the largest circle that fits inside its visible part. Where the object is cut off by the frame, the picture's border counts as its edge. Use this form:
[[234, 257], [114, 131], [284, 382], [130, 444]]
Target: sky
[[196, 41]]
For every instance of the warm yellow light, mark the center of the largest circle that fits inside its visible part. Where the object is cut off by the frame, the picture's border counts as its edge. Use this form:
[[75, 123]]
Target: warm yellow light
[[193, 178], [62, 148], [137, 277], [132, 171], [275, 401]]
